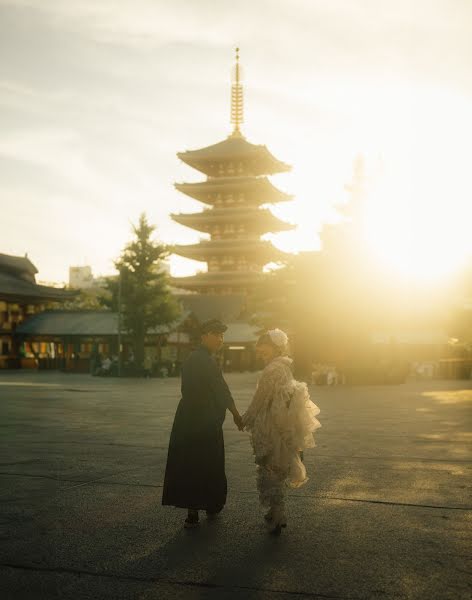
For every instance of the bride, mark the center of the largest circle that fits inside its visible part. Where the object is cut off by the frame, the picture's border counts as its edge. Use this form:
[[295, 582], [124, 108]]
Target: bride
[[281, 420]]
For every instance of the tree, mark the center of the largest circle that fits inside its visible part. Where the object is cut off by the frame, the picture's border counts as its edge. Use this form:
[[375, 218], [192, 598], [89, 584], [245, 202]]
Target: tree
[[87, 299], [146, 301]]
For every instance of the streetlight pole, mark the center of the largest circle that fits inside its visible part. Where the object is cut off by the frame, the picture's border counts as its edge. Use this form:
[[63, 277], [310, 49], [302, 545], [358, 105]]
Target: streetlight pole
[[119, 323]]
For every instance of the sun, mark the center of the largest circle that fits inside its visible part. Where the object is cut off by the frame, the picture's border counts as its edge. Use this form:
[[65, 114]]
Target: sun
[[416, 227], [417, 210]]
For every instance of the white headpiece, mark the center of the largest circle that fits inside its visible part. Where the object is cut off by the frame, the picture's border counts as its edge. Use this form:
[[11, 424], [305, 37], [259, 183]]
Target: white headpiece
[[278, 337]]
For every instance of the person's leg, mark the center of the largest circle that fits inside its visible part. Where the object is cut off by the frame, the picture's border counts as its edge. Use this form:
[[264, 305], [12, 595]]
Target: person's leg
[[271, 487]]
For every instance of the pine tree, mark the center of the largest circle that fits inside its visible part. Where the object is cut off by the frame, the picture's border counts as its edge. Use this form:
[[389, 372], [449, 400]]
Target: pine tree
[[146, 301]]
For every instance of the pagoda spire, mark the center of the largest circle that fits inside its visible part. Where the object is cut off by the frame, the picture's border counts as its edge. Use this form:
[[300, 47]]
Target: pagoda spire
[[237, 104]]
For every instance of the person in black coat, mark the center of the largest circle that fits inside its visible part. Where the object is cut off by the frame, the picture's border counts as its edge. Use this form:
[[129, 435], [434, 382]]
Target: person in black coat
[[195, 476]]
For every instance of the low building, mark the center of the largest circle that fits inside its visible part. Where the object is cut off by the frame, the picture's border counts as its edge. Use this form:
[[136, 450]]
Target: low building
[[71, 340], [239, 350], [20, 298], [81, 277]]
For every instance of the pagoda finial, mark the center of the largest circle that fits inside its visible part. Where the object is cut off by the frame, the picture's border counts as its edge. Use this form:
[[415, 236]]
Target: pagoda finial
[[236, 98]]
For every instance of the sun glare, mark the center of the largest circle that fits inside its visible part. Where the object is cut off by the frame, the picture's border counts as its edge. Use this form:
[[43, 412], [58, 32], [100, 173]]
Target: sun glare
[[418, 195]]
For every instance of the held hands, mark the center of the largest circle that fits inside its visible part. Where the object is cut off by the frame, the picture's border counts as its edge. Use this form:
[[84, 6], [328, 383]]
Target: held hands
[[238, 421]]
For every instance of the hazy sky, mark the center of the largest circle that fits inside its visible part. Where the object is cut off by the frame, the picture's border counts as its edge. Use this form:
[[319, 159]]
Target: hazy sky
[[97, 96]]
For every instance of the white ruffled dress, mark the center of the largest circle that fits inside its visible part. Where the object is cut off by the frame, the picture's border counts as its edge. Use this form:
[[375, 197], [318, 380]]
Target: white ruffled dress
[[281, 420]]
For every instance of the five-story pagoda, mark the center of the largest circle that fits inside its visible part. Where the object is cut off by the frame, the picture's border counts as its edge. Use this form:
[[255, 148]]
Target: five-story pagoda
[[235, 189]]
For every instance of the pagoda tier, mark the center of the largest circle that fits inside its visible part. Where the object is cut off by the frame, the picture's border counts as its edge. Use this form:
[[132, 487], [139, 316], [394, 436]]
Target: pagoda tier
[[233, 156], [232, 251], [238, 190], [219, 282], [228, 222]]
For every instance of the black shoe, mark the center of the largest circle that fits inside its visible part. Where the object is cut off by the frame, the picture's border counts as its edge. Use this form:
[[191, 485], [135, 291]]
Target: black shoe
[[268, 517], [277, 530], [191, 521]]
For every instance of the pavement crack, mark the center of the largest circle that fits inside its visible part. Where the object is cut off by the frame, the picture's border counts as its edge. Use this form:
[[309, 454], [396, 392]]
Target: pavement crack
[[80, 482], [201, 584], [390, 502], [394, 457], [51, 477], [369, 501]]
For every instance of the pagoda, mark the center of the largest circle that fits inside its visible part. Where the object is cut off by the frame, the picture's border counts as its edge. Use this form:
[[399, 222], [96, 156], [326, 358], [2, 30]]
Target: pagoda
[[235, 189]]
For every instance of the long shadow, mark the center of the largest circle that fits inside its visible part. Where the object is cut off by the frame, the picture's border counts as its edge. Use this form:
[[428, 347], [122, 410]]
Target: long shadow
[[200, 558]]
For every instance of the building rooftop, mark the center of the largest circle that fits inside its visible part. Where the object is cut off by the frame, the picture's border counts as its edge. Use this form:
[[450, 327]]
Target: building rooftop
[[17, 264], [208, 306], [257, 158], [262, 251], [81, 322], [258, 219], [257, 190], [218, 279], [13, 286]]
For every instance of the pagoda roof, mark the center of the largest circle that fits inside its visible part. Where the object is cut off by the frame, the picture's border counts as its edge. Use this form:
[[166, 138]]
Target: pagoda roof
[[234, 148], [216, 279], [261, 250], [259, 189], [213, 306], [263, 219]]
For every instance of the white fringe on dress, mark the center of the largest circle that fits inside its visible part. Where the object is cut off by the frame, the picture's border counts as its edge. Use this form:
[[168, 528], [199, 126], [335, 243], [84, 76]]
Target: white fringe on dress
[[281, 420]]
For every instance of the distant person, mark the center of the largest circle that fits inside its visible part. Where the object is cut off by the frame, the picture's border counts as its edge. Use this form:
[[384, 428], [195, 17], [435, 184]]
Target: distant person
[[148, 361], [281, 420], [115, 365], [94, 361], [332, 377], [105, 368], [195, 476]]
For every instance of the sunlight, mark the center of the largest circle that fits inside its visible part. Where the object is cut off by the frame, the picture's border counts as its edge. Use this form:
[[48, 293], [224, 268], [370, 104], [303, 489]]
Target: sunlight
[[421, 237], [450, 397], [417, 210]]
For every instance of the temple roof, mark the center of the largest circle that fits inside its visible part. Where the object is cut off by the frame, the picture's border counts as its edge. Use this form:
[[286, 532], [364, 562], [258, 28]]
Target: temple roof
[[260, 220], [210, 306], [260, 251], [257, 190], [19, 266], [82, 322], [13, 286], [215, 279], [257, 158]]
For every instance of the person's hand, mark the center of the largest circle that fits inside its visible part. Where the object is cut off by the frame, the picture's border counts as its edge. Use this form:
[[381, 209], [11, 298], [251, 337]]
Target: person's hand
[[238, 421]]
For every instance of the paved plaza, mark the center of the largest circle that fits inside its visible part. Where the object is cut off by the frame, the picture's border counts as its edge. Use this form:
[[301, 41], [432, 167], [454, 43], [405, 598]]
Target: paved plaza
[[386, 514]]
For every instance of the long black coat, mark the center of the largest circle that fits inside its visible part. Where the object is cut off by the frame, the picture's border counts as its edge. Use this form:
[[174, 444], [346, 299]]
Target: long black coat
[[195, 472]]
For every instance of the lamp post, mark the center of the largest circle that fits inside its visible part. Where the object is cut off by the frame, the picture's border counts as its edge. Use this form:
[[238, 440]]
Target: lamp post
[[119, 322]]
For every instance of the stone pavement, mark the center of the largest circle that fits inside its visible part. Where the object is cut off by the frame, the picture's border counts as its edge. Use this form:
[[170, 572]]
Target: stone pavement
[[386, 513]]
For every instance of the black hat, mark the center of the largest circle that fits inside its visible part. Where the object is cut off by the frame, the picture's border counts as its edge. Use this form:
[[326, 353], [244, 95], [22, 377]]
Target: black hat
[[213, 326]]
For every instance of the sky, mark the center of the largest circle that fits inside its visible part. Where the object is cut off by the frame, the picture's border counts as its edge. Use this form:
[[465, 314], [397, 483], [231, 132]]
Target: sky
[[98, 96]]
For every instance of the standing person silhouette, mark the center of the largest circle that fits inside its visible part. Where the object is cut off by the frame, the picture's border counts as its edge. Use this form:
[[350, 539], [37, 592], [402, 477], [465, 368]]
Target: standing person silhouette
[[281, 420], [195, 476]]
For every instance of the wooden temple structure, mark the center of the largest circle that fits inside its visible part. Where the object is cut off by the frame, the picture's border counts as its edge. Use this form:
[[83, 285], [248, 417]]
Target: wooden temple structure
[[235, 190], [20, 298]]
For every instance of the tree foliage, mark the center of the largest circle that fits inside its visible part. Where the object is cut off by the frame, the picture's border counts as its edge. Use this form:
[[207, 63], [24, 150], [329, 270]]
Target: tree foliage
[[146, 301]]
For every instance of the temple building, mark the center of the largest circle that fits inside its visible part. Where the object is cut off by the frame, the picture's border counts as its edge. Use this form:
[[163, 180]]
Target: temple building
[[20, 298], [235, 189]]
